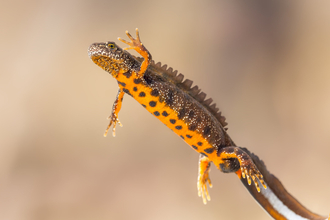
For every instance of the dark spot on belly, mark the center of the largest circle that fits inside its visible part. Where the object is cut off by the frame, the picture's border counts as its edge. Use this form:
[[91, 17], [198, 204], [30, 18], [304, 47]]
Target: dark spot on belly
[[156, 113], [164, 113], [179, 127], [199, 143], [135, 89], [195, 147], [152, 103], [128, 74], [142, 94], [205, 155], [127, 91], [172, 121], [209, 150], [121, 83], [137, 81], [188, 136]]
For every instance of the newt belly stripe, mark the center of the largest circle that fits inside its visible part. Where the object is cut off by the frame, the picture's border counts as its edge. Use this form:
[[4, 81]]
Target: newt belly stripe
[[168, 116], [145, 95]]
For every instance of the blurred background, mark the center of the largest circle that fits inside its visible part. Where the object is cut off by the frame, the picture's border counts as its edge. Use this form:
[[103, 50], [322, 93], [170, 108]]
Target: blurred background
[[264, 62]]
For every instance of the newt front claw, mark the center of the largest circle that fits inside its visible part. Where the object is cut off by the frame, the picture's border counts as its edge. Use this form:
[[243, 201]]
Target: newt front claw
[[136, 45]]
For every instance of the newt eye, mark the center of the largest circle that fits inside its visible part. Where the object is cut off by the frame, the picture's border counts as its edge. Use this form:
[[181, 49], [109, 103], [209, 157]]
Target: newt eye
[[111, 45]]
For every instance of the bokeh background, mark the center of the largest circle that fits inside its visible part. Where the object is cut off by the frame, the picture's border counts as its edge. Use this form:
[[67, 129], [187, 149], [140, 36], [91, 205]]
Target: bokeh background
[[264, 62]]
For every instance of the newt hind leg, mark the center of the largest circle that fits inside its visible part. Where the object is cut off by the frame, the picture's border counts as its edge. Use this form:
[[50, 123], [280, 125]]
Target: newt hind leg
[[136, 45], [234, 159], [203, 178]]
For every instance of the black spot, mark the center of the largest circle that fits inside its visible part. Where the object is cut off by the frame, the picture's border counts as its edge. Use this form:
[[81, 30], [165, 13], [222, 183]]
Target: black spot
[[135, 89], [127, 91], [188, 136], [164, 113], [200, 143], [179, 127], [156, 113], [142, 94], [137, 81], [172, 121], [209, 150], [191, 114], [121, 83], [192, 127], [181, 113], [169, 97], [205, 155], [196, 148], [152, 103], [154, 92], [144, 105], [182, 137], [128, 74], [207, 130]]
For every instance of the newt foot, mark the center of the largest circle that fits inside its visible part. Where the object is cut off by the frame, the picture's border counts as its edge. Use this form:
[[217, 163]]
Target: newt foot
[[135, 44], [202, 187], [113, 121], [250, 171]]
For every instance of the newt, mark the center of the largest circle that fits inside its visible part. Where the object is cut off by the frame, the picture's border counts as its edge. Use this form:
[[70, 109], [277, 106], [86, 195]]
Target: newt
[[184, 109]]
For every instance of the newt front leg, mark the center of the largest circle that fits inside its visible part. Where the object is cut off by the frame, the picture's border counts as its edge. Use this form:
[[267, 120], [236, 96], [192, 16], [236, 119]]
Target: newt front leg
[[136, 45], [114, 114]]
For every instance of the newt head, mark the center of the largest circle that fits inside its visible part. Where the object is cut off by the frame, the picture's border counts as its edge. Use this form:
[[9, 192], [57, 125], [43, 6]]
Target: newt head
[[116, 60], [110, 57]]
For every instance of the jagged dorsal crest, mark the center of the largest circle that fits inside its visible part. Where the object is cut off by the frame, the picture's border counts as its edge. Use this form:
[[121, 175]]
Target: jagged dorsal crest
[[186, 85]]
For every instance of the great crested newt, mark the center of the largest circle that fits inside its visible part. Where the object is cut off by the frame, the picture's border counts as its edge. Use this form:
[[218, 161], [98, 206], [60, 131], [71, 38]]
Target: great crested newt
[[184, 109]]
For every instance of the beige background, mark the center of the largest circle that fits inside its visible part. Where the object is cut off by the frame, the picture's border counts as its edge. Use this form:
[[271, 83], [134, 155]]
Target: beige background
[[265, 63]]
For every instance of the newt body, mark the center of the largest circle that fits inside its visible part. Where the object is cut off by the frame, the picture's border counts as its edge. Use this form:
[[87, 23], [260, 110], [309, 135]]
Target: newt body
[[180, 107]]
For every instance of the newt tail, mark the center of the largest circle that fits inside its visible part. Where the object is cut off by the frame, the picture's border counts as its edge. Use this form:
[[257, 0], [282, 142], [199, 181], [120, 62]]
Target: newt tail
[[183, 109]]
